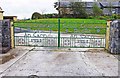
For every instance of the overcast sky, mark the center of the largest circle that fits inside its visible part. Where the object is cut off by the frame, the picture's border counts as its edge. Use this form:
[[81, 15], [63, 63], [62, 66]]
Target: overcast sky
[[25, 8]]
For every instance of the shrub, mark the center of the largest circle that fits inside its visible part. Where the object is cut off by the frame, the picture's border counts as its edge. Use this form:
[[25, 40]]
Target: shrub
[[91, 17], [102, 17], [118, 16], [36, 15]]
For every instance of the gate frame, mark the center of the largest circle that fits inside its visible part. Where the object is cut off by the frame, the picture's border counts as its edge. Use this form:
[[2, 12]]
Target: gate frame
[[59, 38]]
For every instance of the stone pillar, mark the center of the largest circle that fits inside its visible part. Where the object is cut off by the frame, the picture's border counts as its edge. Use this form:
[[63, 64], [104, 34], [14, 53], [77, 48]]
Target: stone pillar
[[114, 44], [5, 38], [0, 37], [1, 18]]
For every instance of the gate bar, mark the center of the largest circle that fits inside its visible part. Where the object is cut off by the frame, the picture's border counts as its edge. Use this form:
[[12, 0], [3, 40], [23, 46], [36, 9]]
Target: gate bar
[[58, 32], [59, 26]]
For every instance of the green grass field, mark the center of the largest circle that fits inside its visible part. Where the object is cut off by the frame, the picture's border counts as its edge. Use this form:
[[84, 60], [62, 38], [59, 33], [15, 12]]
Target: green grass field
[[92, 26]]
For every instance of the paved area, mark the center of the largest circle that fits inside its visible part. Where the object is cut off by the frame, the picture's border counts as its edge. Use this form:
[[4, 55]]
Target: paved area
[[64, 62], [17, 53]]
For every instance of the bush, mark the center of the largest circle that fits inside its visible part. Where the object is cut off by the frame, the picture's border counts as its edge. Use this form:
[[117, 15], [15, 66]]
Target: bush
[[114, 16], [118, 16], [91, 17], [36, 15], [102, 17]]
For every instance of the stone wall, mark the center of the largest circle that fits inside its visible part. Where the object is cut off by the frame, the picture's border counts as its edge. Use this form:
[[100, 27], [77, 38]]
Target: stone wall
[[114, 44], [0, 37]]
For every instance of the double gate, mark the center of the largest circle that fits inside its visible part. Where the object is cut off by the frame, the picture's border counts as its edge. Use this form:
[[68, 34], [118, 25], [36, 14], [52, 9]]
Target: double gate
[[60, 33]]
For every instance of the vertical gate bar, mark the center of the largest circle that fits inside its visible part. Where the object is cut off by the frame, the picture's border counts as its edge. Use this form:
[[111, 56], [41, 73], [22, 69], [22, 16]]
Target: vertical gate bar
[[59, 25], [14, 34], [61, 42], [59, 33], [105, 46], [70, 42]]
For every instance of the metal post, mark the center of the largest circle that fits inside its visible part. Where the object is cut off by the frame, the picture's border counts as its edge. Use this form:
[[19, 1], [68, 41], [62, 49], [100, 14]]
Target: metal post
[[59, 26], [58, 32]]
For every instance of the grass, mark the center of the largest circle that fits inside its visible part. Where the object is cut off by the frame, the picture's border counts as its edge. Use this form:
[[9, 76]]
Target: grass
[[88, 26]]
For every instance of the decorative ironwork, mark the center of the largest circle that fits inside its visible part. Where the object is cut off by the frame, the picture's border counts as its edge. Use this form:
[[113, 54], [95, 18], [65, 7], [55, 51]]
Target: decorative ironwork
[[72, 35]]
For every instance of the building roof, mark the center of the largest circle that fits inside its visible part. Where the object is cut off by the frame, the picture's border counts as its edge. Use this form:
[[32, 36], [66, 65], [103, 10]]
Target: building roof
[[113, 4], [10, 16], [107, 0], [90, 4]]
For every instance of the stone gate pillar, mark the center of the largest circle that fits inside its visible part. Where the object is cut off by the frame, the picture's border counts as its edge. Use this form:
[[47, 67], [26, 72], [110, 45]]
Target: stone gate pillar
[[0, 37], [5, 36], [114, 44]]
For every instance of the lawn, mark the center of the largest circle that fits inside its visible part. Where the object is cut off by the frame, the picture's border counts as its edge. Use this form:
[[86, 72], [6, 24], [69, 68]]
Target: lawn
[[67, 25]]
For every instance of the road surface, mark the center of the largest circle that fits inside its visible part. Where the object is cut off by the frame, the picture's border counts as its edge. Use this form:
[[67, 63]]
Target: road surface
[[64, 62]]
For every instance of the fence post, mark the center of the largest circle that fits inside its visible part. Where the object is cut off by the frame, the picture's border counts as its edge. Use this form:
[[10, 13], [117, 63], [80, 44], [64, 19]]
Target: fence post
[[58, 32], [107, 35]]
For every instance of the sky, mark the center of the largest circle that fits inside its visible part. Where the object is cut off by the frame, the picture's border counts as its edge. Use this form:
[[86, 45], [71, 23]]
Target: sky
[[24, 8]]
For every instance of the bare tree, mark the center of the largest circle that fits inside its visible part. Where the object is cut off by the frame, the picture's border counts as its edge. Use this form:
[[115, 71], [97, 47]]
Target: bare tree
[[43, 11]]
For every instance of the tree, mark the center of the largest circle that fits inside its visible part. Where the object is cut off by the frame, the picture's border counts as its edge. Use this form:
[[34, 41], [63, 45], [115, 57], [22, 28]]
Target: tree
[[78, 9], [64, 11], [96, 10], [61, 9], [75, 9], [43, 11], [56, 6], [36, 15]]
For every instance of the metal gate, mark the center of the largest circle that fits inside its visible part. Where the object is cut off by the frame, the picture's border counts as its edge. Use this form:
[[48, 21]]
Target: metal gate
[[60, 33]]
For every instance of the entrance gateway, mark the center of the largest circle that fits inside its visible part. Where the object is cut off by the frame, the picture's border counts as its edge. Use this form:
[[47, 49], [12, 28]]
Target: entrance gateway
[[60, 33]]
